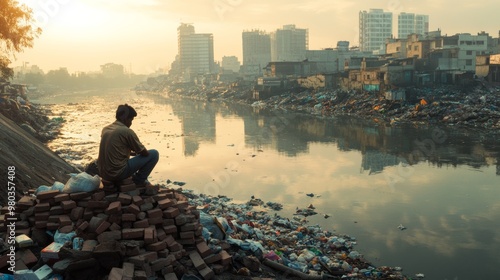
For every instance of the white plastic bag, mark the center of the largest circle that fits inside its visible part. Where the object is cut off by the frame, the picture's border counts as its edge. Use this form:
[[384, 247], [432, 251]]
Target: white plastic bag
[[81, 182]]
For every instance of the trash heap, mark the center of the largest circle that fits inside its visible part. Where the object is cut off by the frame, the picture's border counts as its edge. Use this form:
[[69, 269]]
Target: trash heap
[[168, 233], [15, 105]]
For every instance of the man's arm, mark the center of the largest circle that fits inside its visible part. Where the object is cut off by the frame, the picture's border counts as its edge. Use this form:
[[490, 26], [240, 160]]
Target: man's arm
[[144, 152]]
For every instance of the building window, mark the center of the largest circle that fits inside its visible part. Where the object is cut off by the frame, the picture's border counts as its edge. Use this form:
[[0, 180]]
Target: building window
[[469, 52], [415, 48], [468, 62]]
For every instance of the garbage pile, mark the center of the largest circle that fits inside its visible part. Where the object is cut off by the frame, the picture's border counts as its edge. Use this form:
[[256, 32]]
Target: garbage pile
[[476, 107], [15, 105], [125, 232]]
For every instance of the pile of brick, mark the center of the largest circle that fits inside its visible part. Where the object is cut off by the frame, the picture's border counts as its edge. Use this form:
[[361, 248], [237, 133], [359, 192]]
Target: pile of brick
[[128, 234]]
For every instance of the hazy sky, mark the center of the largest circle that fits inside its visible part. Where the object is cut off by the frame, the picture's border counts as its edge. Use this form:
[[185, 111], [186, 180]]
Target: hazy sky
[[142, 34]]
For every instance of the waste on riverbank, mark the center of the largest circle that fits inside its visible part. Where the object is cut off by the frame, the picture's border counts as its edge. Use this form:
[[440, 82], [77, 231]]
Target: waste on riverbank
[[172, 233], [476, 107]]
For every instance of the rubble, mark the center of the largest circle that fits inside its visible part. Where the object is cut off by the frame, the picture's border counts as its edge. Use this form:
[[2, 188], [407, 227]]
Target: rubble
[[139, 234], [473, 107]]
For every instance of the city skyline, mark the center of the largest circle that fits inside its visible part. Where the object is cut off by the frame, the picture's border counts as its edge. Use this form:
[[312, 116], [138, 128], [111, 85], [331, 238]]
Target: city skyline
[[82, 35]]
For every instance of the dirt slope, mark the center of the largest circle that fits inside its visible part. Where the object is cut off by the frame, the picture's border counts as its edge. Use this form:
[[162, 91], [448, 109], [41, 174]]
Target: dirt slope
[[34, 163]]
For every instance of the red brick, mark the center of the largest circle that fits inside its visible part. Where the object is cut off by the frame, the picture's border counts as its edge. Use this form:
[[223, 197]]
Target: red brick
[[189, 227], [182, 205], [117, 219], [124, 198], [77, 213], [207, 273], [102, 227], [137, 200], [64, 220], [66, 229], [203, 249], [42, 216], [160, 233], [176, 246], [98, 204], [134, 209], [225, 257], [165, 203], [47, 194], [94, 223], [155, 221], [157, 246], [80, 195], [115, 226], [114, 207], [186, 234], [170, 213], [25, 202], [141, 224], [99, 195], [170, 229], [133, 233], [88, 214], [198, 262], [159, 264], [154, 213], [149, 235], [181, 219], [187, 241], [42, 207], [52, 226], [61, 197], [83, 226], [128, 217], [54, 218], [212, 258]]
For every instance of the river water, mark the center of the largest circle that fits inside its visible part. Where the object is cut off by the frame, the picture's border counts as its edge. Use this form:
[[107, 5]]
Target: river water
[[442, 184]]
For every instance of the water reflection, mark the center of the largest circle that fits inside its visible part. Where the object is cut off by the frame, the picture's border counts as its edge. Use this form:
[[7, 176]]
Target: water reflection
[[381, 146]]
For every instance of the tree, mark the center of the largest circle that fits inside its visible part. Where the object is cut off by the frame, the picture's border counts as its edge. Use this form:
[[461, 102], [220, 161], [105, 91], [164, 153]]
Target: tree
[[17, 31]]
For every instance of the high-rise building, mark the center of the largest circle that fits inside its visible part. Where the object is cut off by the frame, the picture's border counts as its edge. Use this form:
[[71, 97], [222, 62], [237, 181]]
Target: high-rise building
[[196, 51], [289, 43], [230, 63], [256, 51], [374, 27], [412, 24]]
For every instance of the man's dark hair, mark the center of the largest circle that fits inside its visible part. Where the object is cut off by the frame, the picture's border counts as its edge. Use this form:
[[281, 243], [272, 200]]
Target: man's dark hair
[[125, 112]]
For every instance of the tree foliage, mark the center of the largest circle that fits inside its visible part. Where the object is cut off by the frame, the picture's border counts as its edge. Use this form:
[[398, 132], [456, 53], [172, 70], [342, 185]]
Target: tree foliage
[[17, 32]]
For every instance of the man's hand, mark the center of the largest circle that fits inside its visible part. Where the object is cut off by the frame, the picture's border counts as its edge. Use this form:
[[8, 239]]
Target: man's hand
[[144, 152]]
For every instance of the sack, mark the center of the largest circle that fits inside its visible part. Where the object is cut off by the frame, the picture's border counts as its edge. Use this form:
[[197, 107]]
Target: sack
[[82, 182]]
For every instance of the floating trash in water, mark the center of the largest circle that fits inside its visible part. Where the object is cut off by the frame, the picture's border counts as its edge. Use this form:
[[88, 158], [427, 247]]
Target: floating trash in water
[[401, 227]]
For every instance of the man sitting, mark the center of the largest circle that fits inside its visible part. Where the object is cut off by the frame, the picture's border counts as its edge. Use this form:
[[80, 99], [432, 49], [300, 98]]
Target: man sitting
[[118, 143]]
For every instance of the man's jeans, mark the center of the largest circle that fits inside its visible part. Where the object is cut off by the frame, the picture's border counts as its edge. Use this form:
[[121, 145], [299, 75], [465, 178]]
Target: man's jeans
[[139, 167]]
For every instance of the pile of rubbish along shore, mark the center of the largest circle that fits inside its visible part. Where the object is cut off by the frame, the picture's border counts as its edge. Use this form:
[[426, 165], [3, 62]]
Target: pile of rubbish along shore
[[168, 233], [476, 106], [15, 105]]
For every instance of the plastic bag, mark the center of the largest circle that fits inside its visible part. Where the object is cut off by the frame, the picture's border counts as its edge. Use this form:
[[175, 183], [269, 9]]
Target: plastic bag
[[82, 182], [64, 237]]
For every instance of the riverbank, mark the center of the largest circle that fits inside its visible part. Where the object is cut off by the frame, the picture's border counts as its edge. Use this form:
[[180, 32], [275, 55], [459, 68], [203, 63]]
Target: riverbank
[[470, 107], [284, 239]]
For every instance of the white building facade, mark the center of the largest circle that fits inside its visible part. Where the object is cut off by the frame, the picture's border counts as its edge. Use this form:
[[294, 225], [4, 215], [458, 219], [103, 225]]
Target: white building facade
[[289, 43], [374, 27], [409, 23], [196, 51]]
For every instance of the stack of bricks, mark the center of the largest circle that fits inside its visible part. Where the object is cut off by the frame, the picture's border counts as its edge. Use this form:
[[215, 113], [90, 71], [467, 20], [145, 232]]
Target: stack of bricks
[[155, 233]]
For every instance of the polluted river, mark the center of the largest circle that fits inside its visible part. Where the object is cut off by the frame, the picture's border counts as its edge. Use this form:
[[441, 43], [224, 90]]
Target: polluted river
[[421, 198]]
